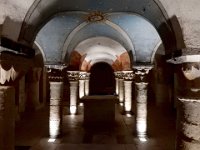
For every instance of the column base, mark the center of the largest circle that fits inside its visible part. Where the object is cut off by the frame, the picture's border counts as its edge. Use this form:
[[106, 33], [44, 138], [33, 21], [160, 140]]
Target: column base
[[128, 113], [73, 110]]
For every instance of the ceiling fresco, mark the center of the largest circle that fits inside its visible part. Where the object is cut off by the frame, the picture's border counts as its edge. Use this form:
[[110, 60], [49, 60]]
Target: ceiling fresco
[[61, 35]]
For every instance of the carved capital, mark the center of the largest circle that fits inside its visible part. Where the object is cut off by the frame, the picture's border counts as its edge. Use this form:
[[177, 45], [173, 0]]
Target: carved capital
[[119, 74], [56, 72], [12, 67], [141, 72], [73, 75], [191, 70], [128, 75], [82, 75]]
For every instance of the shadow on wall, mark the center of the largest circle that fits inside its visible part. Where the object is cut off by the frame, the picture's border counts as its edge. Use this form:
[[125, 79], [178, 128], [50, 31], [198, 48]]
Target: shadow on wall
[[173, 41]]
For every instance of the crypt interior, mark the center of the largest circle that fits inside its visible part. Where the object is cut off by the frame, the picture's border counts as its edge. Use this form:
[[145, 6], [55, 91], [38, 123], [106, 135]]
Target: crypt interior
[[99, 74]]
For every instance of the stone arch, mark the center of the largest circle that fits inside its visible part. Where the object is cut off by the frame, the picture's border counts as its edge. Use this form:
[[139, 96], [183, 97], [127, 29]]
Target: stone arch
[[152, 10], [100, 49]]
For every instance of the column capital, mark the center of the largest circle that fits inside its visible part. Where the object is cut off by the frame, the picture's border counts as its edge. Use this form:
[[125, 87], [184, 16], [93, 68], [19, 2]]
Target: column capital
[[128, 75], [12, 67], [73, 75], [84, 75], [142, 71], [118, 74], [55, 72]]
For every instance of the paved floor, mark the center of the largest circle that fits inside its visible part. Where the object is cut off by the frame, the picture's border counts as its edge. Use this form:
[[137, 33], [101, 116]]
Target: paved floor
[[32, 132]]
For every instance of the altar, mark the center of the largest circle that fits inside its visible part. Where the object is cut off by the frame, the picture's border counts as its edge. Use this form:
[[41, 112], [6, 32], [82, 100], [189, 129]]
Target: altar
[[99, 109]]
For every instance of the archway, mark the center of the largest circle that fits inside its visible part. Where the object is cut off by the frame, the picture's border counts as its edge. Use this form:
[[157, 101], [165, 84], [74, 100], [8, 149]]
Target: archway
[[102, 79]]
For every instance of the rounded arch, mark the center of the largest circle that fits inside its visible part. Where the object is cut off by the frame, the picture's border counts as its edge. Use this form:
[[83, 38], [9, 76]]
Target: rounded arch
[[40, 57], [98, 49], [152, 10]]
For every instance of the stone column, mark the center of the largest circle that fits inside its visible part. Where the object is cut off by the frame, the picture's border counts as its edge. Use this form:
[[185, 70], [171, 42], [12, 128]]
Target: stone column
[[33, 89], [188, 106], [12, 68], [116, 83], [87, 83], [141, 100], [188, 124], [119, 75], [82, 78], [73, 77], [188, 101], [128, 79], [55, 74]]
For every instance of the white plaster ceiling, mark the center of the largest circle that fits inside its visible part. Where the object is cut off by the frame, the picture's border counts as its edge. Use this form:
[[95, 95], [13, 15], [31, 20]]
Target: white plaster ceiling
[[98, 45]]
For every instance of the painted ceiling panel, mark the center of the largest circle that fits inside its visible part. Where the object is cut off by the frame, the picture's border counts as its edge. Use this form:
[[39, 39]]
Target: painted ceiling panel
[[132, 32], [96, 30], [53, 34], [100, 44], [142, 34]]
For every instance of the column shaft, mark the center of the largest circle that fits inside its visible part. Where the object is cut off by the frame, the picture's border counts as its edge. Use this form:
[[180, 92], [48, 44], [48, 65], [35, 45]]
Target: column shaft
[[141, 109], [117, 86], [81, 88], [73, 96], [87, 90], [188, 124], [127, 96], [55, 116], [121, 91], [7, 117]]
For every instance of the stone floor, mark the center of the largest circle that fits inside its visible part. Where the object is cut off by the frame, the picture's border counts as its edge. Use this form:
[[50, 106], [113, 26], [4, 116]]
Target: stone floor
[[32, 132]]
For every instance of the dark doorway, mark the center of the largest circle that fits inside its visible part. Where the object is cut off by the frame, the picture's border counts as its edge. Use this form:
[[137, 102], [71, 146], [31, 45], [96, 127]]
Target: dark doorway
[[102, 79]]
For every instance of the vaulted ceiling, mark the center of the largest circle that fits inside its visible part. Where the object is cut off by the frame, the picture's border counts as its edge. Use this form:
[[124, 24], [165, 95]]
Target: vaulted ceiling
[[58, 27]]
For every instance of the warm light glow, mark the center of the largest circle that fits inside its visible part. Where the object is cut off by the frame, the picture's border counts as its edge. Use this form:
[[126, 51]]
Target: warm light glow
[[81, 104], [54, 128], [81, 88], [128, 115], [73, 110], [143, 139], [121, 104], [141, 127], [51, 140], [127, 106]]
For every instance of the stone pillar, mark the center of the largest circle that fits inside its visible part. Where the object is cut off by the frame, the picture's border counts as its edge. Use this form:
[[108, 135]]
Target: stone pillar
[[12, 68], [188, 124], [141, 100], [73, 77], [188, 106], [119, 75], [128, 79], [55, 74], [87, 83], [33, 89], [82, 78], [116, 83]]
